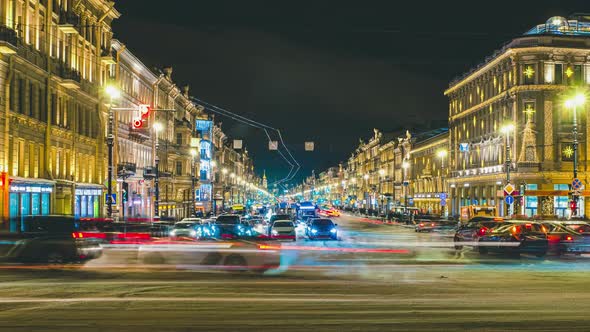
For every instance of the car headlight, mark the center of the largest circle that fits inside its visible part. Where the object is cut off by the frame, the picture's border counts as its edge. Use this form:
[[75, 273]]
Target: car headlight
[[274, 232], [173, 232], [193, 233], [313, 230], [333, 231]]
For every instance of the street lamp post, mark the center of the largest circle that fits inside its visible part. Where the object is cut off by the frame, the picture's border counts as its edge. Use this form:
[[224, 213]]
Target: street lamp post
[[366, 177], [213, 164], [442, 154], [113, 93], [405, 166], [224, 184], [381, 175], [157, 128], [506, 130], [193, 198], [573, 103]]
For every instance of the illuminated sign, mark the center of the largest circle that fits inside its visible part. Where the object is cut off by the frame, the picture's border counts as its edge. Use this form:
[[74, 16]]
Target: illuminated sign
[[30, 188], [464, 147], [203, 125]]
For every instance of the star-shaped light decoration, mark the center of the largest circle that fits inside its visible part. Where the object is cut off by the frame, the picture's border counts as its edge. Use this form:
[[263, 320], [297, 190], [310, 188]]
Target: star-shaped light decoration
[[529, 110], [568, 152], [569, 72], [529, 72]]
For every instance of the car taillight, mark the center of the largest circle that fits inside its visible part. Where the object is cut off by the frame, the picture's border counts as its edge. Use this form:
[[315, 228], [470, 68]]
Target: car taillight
[[432, 224], [77, 235], [569, 238], [482, 231], [421, 224]]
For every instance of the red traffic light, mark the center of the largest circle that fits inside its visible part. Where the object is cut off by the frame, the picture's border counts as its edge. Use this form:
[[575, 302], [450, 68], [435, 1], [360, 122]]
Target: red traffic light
[[573, 205], [137, 123], [144, 110]]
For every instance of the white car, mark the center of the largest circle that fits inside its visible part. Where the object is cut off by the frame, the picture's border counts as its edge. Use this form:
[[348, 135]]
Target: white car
[[283, 230]]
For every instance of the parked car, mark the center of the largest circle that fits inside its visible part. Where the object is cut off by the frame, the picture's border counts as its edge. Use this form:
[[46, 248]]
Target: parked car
[[567, 237], [515, 238], [468, 234], [49, 239]]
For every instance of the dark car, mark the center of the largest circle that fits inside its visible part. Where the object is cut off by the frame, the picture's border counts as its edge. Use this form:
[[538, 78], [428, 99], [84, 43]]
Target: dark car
[[469, 233], [515, 238], [48, 239], [567, 237], [228, 225], [321, 228]]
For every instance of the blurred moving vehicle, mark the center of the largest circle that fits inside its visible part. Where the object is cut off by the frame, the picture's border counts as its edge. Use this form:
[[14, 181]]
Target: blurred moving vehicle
[[329, 211], [235, 255], [471, 211], [568, 237], [185, 229], [283, 229], [468, 234], [321, 228], [515, 237], [48, 239], [426, 225]]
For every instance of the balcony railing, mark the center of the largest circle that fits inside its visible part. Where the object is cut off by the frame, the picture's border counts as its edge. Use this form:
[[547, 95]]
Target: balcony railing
[[8, 35]]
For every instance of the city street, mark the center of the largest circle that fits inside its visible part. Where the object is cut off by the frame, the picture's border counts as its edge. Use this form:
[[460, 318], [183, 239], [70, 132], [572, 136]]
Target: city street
[[404, 285]]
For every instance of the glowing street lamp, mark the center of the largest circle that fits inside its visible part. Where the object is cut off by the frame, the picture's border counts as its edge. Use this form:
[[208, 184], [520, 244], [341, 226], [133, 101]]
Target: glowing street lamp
[[573, 103], [113, 93]]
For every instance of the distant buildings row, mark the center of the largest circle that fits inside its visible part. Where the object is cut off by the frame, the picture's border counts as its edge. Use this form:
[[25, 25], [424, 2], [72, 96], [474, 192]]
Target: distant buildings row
[[56, 58], [507, 117]]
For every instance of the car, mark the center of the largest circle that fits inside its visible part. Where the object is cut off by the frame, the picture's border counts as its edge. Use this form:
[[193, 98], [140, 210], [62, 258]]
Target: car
[[258, 224], [515, 238], [227, 225], [185, 229], [329, 212], [567, 237], [49, 239], [322, 228], [235, 255], [426, 225], [283, 229], [468, 234]]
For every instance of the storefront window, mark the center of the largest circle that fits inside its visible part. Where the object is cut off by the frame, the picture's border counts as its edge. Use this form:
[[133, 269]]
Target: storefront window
[[35, 204], [77, 206], [531, 202], [561, 202], [90, 207], [84, 201], [45, 203], [14, 205], [25, 204]]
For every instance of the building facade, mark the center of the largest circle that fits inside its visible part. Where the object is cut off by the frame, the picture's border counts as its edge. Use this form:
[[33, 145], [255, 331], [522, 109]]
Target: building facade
[[521, 88], [54, 61]]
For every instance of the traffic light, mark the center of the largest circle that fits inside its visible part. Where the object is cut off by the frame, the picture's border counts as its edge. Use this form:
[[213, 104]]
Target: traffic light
[[144, 113], [574, 207], [125, 190]]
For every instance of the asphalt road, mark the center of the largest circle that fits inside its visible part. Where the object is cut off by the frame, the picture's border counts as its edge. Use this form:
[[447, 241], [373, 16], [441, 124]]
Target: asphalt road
[[407, 285]]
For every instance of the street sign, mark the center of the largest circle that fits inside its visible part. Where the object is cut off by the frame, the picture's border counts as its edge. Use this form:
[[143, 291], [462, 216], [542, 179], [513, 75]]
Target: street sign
[[509, 189], [112, 200], [576, 183], [406, 183], [509, 200], [464, 147], [443, 196], [443, 202]]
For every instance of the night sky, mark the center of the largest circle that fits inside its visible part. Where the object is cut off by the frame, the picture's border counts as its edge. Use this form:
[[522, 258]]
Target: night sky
[[323, 70]]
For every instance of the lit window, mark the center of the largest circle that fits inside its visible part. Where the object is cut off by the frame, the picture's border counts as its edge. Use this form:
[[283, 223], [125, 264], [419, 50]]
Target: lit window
[[549, 73]]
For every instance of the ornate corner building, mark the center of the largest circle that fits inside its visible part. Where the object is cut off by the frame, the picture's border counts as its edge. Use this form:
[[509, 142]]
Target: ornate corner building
[[524, 84], [54, 57]]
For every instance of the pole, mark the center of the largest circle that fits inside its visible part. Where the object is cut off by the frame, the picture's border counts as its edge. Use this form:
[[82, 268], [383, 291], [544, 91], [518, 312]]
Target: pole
[[443, 186], [110, 143], [192, 208], [157, 182], [575, 132], [508, 164]]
